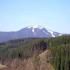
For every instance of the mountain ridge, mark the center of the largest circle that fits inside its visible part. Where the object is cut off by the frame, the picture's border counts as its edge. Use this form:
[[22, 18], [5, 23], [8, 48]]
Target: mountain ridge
[[28, 32]]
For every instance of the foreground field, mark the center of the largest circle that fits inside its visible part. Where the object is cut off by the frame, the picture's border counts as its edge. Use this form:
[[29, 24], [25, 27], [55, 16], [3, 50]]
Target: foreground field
[[39, 63], [36, 54]]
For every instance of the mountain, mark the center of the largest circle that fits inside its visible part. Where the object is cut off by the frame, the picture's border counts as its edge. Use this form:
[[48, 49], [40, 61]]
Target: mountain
[[28, 32]]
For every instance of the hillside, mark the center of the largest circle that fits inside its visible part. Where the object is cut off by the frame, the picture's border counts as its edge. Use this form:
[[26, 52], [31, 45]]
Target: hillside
[[31, 63], [36, 54]]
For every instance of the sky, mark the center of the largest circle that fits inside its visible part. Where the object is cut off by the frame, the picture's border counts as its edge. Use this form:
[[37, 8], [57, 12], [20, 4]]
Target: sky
[[51, 14]]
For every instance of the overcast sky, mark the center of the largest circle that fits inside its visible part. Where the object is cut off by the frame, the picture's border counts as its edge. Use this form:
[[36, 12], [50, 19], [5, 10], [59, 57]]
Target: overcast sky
[[52, 14]]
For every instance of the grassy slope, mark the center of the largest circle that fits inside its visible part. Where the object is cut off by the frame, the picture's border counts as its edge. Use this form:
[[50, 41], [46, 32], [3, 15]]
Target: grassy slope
[[30, 65], [22, 48]]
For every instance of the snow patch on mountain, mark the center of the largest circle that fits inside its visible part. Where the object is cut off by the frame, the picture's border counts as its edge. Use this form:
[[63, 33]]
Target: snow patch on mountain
[[60, 34], [51, 33], [32, 29]]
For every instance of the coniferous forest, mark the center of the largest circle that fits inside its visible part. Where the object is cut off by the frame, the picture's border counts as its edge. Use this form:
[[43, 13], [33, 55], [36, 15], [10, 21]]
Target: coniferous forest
[[22, 49]]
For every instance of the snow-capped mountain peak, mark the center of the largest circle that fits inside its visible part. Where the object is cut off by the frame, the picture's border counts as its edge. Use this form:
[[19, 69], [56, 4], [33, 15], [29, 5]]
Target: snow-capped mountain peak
[[35, 26], [29, 32], [39, 31]]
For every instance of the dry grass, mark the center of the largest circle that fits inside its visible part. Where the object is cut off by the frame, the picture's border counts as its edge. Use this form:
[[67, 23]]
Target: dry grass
[[2, 66], [44, 64], [40, 63]]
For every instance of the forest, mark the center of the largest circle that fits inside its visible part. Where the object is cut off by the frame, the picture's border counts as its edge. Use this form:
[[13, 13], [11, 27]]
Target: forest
[[59, 48]]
